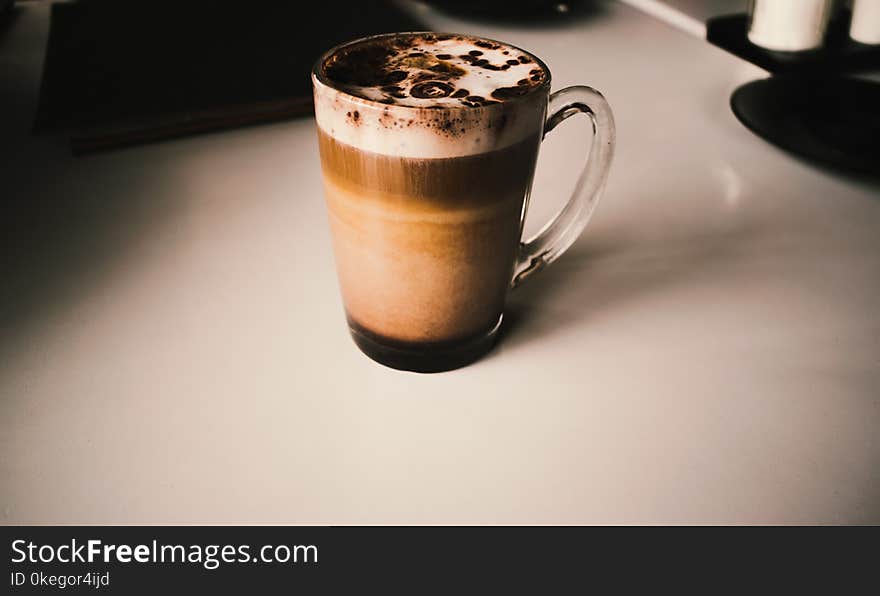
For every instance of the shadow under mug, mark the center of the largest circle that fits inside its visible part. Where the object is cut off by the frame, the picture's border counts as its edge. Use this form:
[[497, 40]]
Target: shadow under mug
[[426, 204]]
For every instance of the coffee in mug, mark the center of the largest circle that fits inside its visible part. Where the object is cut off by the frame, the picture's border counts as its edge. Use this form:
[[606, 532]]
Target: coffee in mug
[[428, 146]]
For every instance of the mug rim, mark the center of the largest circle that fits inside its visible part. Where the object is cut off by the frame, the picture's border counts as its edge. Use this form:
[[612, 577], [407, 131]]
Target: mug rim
[[319, 76]]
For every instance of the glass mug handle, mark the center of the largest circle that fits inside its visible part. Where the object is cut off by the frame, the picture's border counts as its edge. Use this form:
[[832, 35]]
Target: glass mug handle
[[561, 232]]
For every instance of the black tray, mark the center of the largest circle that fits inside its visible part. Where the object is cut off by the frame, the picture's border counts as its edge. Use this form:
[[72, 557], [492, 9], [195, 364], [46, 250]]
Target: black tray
[[121, 73], [831, 120], [839, 54]]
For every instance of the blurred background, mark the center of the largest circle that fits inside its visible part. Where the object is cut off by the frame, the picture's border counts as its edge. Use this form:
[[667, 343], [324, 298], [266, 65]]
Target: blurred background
[[120, 72]]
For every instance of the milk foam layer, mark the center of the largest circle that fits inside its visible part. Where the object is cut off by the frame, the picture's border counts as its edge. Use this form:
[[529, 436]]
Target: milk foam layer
[[422, 70], [430, 95]]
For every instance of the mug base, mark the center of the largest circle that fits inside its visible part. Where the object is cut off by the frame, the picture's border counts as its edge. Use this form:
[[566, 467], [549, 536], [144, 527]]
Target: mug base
[[424, 357]]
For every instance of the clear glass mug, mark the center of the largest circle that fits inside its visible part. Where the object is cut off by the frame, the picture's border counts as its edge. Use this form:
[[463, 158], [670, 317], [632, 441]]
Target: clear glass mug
[[426, 199]]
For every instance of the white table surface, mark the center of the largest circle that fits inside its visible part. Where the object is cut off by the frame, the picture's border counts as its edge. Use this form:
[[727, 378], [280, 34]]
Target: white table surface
[[173, 348]]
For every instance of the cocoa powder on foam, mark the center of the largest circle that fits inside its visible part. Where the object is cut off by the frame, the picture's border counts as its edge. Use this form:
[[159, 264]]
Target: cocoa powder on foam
[[429, 95]]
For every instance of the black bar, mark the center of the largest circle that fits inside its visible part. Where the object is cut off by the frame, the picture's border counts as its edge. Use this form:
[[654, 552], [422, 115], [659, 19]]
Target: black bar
[[546, 560]]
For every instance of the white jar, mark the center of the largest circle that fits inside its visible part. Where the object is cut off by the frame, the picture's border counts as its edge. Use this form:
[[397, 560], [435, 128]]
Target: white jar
[[789, 25], [865, 26]]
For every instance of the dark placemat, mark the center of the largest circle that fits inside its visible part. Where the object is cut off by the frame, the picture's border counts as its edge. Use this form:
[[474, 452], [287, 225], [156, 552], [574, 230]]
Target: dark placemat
[[839, 54], [831, 120], [125, 72]]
